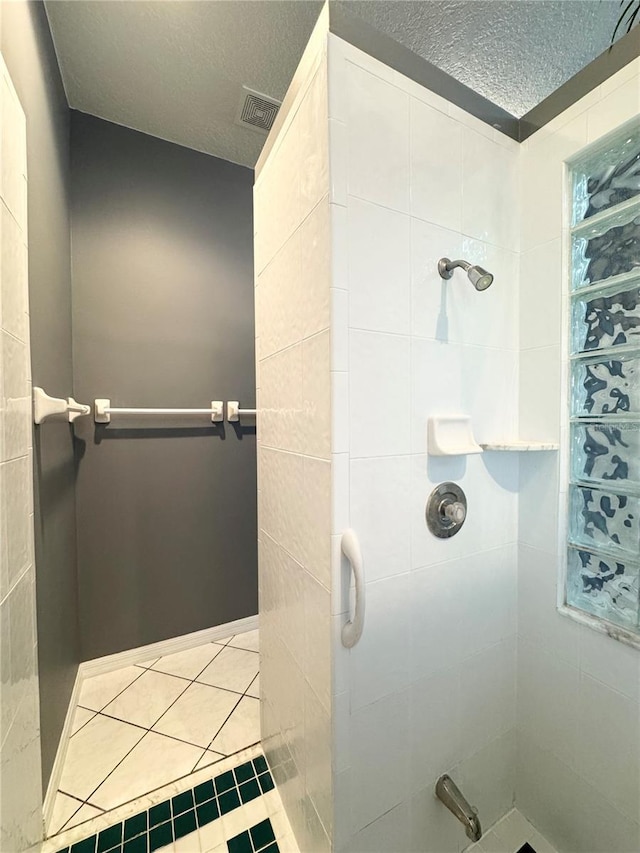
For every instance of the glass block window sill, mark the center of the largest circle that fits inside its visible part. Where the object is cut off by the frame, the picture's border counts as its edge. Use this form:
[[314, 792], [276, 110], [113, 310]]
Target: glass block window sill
[[596, 623]]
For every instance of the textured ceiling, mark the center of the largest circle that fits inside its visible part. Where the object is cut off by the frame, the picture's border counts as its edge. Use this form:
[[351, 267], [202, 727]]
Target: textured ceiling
[[175, 68], [514, 52]]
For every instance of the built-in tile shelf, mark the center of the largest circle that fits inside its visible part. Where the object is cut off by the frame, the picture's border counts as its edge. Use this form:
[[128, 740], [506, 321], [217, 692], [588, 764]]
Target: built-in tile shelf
[[452, 435], [520, 445]]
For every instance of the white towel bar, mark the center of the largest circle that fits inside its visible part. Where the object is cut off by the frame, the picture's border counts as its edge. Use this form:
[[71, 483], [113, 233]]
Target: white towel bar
[[234, 412], [352, 630], [104, 410], [45, 407]]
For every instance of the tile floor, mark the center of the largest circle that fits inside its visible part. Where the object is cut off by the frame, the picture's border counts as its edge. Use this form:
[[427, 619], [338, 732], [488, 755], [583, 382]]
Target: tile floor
[[144, 726], [222, 826], [510, 835]]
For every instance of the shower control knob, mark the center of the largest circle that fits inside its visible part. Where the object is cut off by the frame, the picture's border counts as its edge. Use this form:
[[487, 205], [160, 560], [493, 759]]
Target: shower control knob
[[446, 510], [455, 511]]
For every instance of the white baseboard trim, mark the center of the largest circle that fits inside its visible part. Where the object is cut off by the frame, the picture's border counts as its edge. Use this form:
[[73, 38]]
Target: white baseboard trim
[[61, 754], [109, 663], [166, 647]]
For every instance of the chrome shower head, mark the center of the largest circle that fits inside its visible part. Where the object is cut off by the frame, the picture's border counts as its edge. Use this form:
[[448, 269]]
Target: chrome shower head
[[479, 277]]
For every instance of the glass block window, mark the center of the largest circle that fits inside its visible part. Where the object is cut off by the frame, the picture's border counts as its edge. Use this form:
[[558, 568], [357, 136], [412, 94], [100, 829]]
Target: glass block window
[[603, 560]]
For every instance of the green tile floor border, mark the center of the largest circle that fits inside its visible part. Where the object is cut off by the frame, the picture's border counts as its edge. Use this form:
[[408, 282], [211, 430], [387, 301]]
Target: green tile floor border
[[174, 818], [259, 839]]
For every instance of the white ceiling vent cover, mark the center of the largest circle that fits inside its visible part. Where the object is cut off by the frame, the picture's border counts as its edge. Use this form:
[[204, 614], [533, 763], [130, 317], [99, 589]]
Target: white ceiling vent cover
[[257, 111]]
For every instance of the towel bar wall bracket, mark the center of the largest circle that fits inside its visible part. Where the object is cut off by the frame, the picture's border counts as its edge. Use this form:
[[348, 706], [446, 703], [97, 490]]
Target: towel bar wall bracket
[[104, 410], [45, 407], [234, 412]]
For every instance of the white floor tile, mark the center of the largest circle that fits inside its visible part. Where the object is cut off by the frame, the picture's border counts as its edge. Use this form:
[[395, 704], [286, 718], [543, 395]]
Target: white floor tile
[[98, 691], [64, 808], [198, 714], [86, 812], [208, 758], [241, 729], [146, 700], [232, 669], [80, 718], [189, 663], [211, 836], [250, 641], [188, 843], [254, 687], [156, 761], [94, 752]]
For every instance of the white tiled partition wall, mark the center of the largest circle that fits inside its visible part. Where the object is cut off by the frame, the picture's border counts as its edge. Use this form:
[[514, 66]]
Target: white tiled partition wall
[[293, 346], [464, 665], [20, 777], [578, 773], [430, 687]]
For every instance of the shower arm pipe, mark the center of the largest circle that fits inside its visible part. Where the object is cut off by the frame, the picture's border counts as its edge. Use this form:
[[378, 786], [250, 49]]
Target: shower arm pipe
[[446, 267], [104, 410], [352, 630], [234, 412]]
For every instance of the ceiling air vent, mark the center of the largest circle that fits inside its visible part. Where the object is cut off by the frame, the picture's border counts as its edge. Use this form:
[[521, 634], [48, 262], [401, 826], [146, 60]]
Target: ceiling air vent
[[257, 111]]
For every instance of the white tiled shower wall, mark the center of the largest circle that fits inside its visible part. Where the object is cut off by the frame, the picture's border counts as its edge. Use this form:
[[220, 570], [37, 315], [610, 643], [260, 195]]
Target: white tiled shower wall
[[20, 776], [578, 773], [464, 665], [293, 346], [430, 687]]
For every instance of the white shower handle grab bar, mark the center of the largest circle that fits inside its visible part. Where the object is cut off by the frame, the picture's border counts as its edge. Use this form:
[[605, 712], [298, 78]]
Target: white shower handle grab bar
[[104, 410], [352, 630]]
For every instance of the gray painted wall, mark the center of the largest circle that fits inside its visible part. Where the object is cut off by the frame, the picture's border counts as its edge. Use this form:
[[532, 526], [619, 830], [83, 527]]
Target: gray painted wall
[[28, 51], [163, 316]]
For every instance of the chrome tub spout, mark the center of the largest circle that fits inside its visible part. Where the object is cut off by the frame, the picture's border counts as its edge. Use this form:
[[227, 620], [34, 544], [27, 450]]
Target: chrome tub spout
[[448, 792]]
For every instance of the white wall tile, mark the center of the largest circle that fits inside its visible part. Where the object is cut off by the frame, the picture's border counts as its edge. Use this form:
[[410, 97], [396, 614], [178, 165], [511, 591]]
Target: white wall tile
[[13, 264], [618, 106], [314, 534], [435, 306], [435, 708], [378, 140], [312, 122], [314, 303], [436, 166], [540, 291], [488, 168], [380, 749], [432, 828], [538, 619], [548, 700], [614, 664], [379, 277], [488, 777], [540, 377], [317, 638], [380, 500], [488, 685], [610, 724], [379, 394], [279, 322], [379, 662], [542, 181], [282, 414], [316, 395]]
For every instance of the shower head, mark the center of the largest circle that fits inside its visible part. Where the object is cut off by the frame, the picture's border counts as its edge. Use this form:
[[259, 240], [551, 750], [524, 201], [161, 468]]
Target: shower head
[[479, 277]]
